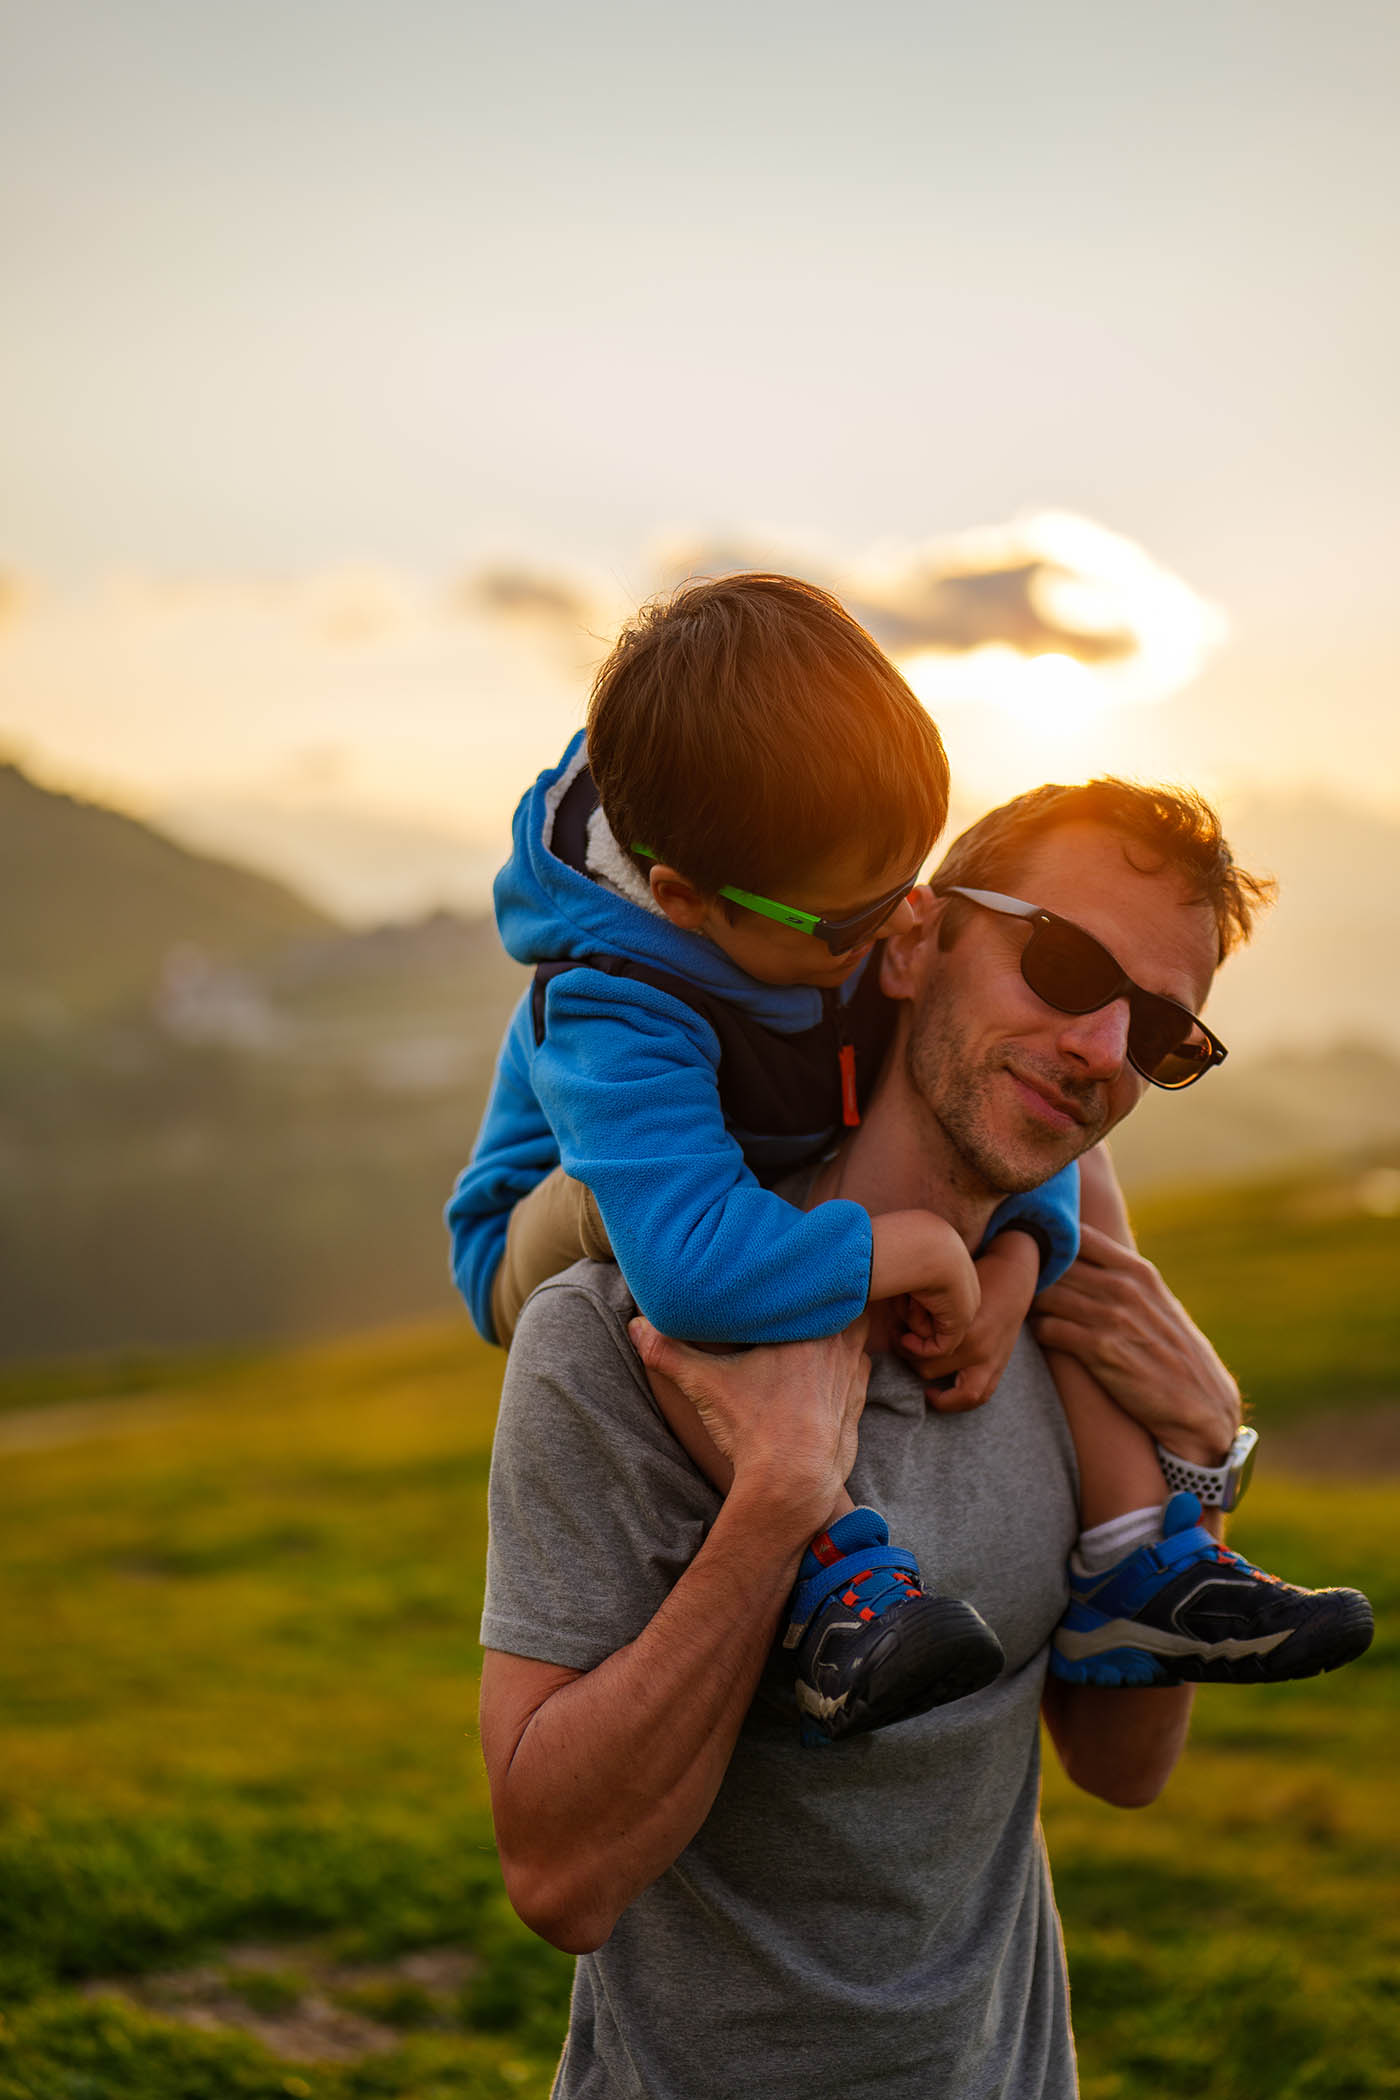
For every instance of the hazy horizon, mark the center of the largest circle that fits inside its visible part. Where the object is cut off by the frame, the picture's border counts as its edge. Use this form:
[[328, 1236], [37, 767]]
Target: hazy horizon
[[361, 383]]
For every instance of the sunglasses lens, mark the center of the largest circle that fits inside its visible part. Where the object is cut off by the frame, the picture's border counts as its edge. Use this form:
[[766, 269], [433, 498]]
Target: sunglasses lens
[[1169, 1063], [1068, 969], [841, 935]]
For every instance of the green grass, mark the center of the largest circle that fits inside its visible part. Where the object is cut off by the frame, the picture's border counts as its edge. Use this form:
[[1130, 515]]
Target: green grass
[[1297, 1286], [237, 1696], [238, 1689], [1241, 1939]]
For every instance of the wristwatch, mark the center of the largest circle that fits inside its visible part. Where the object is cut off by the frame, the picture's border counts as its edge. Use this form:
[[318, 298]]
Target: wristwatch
[[1219, 1487]]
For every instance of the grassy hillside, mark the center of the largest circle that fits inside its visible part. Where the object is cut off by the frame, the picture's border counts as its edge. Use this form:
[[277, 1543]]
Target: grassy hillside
[[225, 1120], [183, 1198], [91, 902], [239, 1783]]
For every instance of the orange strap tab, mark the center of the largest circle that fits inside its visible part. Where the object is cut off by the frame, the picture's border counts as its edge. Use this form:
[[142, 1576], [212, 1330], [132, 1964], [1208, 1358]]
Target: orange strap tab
[[850, 1105]]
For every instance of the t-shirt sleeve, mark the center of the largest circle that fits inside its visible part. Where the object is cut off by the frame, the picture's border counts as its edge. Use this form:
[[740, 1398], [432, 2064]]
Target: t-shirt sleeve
[[578, 1559]]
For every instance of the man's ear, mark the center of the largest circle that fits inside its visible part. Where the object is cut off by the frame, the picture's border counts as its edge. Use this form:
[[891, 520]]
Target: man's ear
[[683, 904], [904, 960]]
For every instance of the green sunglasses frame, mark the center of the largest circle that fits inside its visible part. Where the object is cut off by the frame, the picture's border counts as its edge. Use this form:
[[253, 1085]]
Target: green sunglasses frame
[[838, 934]]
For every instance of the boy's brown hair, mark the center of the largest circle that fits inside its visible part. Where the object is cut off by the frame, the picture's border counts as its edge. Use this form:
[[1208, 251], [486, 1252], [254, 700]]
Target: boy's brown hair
[[744, 728], [1158, 827]]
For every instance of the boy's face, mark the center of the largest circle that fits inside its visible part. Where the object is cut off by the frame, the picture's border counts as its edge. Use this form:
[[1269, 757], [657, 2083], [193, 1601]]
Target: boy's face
[[837, 888]]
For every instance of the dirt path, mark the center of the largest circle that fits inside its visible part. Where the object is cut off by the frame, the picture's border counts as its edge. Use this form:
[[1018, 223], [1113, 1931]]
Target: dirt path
[[302, 2005]]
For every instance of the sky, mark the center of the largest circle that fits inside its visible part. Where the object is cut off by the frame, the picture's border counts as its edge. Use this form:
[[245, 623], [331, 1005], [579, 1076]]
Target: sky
[[365, 366]]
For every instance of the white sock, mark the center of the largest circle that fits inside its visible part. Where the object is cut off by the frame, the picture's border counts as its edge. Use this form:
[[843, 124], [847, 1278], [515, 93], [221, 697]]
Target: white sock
[[1102, 1544]]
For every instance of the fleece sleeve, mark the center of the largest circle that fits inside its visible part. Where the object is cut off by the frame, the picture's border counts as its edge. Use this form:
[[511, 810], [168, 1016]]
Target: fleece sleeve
[[627, 1077], [1050, 1214]]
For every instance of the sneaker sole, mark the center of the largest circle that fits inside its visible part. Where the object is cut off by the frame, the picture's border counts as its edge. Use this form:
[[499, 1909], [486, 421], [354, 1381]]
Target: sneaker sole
[[938, 1643], [1126, 1653]]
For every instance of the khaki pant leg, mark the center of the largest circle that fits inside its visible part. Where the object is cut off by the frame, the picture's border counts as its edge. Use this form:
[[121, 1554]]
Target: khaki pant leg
[[557, 1224]]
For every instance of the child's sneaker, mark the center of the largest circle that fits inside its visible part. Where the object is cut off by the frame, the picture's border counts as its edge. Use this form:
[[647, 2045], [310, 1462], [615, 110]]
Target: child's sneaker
[[871, 1647], [1189, 1611]]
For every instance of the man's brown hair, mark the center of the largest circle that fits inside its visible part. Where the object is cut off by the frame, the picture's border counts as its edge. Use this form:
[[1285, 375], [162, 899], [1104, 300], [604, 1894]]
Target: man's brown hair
[[1158, 827], [744, 728]]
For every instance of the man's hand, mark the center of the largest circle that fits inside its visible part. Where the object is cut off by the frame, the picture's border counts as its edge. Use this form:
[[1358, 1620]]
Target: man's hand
[[962, 1378], [600, 1778], [1113, 1314], [785, 1418]]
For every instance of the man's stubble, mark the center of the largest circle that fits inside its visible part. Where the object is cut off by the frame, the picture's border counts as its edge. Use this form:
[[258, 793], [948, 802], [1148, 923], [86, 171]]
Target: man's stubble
[[955, 1083]]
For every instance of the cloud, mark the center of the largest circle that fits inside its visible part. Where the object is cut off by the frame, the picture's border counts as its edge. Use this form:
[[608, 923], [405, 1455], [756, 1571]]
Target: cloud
[[980, 611], [350, 606], [1013, 607], [573, 616], [525, 594], [358, 605]]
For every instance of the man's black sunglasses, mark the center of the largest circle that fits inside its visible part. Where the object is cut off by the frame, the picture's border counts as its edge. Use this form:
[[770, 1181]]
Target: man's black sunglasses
[[1074, 973]]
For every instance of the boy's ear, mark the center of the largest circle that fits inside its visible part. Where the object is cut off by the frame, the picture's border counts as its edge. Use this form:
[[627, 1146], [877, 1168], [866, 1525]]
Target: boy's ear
[[683, 904], [904, 957]]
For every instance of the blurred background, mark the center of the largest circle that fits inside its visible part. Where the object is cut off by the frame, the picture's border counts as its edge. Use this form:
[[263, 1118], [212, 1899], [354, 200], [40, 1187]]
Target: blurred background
[[365, 372], [364, 369]]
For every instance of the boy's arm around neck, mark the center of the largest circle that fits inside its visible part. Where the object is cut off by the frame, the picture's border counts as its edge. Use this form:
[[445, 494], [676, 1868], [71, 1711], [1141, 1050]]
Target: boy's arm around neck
[[628, 1078]]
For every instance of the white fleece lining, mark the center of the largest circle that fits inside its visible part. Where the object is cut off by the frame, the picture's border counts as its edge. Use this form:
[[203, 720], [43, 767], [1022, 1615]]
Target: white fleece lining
[[554, 795], [615, 869], [603, 858]]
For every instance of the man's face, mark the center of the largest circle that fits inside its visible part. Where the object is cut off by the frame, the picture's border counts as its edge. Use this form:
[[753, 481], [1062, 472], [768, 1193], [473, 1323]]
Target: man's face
[[1018, 1088]]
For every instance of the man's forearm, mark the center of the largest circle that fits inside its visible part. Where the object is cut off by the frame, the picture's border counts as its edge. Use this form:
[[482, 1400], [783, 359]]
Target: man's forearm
[[1119, 1744], [1115, 1315], [598, 1786]]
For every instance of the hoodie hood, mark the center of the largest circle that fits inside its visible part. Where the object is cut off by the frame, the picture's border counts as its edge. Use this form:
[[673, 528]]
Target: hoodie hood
[[548, 911]]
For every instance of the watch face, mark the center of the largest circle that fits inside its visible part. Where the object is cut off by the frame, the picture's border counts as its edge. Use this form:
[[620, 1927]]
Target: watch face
[[1241, 1464]]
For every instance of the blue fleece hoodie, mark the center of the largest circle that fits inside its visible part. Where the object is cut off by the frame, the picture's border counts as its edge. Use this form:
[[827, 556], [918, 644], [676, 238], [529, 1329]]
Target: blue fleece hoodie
[[623, 1092]]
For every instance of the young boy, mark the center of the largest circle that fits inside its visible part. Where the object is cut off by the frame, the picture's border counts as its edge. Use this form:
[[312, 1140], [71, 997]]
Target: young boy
[[700, 887]]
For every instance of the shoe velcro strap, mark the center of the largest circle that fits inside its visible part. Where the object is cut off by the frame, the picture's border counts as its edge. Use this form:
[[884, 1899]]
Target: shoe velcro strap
[[817, 1588], [1184, 1547]]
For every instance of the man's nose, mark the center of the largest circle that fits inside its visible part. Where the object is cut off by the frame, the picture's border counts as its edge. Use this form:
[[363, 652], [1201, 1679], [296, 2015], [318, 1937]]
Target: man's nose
[[1097, 1041]]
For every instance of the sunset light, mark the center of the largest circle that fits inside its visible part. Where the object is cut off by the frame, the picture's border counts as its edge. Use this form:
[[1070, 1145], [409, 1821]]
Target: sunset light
[[1053, 699], [471, 480]]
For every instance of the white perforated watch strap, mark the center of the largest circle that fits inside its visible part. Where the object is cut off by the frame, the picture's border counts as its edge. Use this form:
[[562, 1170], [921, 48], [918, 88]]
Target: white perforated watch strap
[[1208, 1482], [1219, 1487]]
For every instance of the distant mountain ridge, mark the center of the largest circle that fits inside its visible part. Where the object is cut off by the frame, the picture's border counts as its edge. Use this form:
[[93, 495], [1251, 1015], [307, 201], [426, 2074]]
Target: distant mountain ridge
[[92, 902], [1317, 973], [243, 1118]]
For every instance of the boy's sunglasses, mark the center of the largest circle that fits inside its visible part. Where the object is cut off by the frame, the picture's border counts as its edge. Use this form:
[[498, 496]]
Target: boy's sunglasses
[[840, 935], [1074, 973]]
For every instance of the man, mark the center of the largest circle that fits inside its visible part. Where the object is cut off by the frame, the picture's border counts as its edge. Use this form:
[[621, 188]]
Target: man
[[876, 1917]]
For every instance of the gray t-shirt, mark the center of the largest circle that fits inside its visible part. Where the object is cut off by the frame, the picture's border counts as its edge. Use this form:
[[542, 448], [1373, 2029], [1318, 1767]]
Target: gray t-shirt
[[869, 1918]]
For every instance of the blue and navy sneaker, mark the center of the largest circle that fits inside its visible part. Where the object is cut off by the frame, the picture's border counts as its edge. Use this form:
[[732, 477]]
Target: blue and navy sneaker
[[1189, 1611], [871, 1648]]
